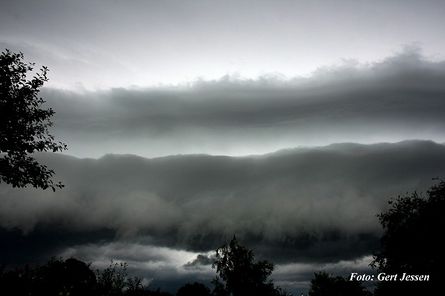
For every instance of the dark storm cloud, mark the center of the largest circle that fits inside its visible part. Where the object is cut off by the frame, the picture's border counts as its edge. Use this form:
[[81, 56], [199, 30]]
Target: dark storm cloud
[[402, 97], [316, 204], [43, 242]]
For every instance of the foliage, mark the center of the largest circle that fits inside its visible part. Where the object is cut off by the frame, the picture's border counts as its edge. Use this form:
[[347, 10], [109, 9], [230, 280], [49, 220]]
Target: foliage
[[57, 277], [413, 242], [195, 289], [324, 284], [74, 278], [239, 274], [24, 124], [112, 280]]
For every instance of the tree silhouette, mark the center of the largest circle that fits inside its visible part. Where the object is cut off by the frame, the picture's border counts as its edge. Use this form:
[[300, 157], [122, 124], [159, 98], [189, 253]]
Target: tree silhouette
[[239, 274], [112, 280], [413, 242], [324, 284], [195, 289], [72, 277], [57, 277], [24, 124]]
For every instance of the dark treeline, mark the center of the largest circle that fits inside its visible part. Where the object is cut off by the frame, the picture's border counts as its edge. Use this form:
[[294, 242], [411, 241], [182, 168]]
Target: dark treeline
[[72, 277], [325, 284], [238, 273]]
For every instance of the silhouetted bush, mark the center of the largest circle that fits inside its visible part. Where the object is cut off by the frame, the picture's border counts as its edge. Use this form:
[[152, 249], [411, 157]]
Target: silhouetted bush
[[413, 242], [112, 280], [72, 277], [195, 289], [239, 274], [324, 284], [57, 277]]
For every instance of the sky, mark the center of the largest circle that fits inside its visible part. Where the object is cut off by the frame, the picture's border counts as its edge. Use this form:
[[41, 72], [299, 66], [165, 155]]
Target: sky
[[101, 44], [288, 123]]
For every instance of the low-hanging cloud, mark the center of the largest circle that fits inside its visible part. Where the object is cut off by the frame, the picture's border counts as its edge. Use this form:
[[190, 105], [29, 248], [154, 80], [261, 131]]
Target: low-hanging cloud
[[157, 266], [164, 267], [399, 98], [313, 204]]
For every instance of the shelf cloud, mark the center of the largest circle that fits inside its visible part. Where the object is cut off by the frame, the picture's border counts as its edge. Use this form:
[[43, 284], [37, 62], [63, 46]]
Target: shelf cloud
[[313, 204], [399, 98], [289, 124]]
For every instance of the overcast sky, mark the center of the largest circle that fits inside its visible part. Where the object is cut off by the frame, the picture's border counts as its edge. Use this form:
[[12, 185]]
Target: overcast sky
[[101, 44], [357, 86]]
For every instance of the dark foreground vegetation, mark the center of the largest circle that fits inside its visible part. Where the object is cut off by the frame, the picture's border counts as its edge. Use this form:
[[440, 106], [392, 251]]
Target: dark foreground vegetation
[[238, 274], [325, 284], [72, 277], [413, 243], [25, 123]]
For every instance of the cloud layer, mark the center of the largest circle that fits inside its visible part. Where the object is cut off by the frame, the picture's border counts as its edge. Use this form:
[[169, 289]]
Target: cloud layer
[[317, 204], [399, 98], [97, 43]]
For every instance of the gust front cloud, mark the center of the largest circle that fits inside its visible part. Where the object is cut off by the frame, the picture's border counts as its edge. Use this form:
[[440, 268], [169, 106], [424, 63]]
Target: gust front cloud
[[308, 205], [398, 98]]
